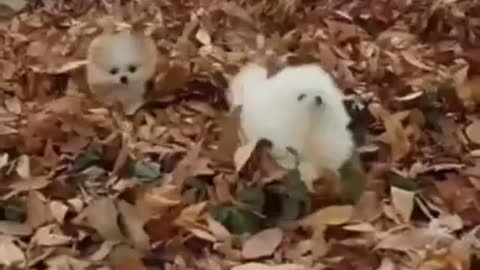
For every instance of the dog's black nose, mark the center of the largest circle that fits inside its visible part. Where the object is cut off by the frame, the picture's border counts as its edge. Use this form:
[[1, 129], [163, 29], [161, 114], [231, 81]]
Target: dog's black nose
[[124, 79], [318, 100]]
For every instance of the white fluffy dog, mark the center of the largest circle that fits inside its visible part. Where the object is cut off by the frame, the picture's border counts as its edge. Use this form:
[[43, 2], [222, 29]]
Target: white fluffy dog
[[299, 107]]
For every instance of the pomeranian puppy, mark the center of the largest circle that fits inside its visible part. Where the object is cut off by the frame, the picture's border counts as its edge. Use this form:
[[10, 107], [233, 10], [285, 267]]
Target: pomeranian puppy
[[247, 77], [299, 107], [120, 65]]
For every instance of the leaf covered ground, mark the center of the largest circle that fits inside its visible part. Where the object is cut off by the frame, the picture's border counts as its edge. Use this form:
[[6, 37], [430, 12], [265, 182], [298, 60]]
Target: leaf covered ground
[[84, 187]]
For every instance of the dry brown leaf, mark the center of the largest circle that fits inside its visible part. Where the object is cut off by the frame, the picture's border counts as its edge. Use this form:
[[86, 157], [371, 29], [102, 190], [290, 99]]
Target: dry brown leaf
[[319, 242], [332, 215], [412, 59], [361, 227], [65, 105], [6, 130], [412, 239], [403, 201], [4, 160], [261, 266], [51, 235], [37, 211], [218, 230], [395, 134], [13, 105], [65, 261], [29, 184], [468, 91], [15, 228], [125, 258], [242, 155], [23, 167], [202, 234], [103, 251], [229, 137], [102, 216], [386, 264], [134, 225], [188, 165], [203, 36], [58, 210], [473, 132], [10, 253], [8, 8], [157, 200], [262, 244], [190, 214]]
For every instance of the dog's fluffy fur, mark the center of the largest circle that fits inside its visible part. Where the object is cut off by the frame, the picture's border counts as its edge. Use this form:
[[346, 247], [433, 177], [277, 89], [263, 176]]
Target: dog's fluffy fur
[[120, 64], [299, 107], [246, 78]]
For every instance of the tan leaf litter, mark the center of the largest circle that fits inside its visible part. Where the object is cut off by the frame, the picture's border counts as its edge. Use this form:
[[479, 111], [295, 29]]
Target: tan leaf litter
[[262, 244]]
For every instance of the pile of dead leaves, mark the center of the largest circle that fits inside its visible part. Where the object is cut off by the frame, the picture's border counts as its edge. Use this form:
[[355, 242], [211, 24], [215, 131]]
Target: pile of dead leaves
[[83, 187]]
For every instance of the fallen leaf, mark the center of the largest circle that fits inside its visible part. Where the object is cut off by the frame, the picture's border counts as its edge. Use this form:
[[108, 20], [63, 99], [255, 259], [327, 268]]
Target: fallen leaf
[[229, 137], [146, 171], [102, 216], [467, 91], [103, 251], [3, 160], [51, 235], [134, 225], [218, 230], [320, 243], [65, 261], [13, 105], [262, 244], [123, 257], [23, 167], [29, 184], [403, 200], [395, 134], [451, 222], [10, 253], [6, 130], [412, 59], [15, 228], [473, 132], [202, 234], [34, 183], [332, 215], [58, 211], [261, 266], [242, 155], [190, 214], [386, 264], [37, 211], [186, 167], [8, 8], [412, 239], [203, 36]]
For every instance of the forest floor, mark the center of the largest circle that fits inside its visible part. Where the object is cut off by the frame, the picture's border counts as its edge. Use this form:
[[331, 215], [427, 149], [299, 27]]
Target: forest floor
[[84, 187]]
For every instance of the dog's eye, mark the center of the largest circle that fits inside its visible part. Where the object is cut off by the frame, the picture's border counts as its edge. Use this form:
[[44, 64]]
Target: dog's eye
[[114, 71], [132, 68], [300, 97]]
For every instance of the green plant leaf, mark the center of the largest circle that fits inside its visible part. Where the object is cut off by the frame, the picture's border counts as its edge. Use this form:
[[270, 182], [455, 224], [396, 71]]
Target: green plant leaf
[[235, 220], [353, 181], [146, 171], [403, 183], [296, 188], [254, 197], [87, 159], [200, 187]]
